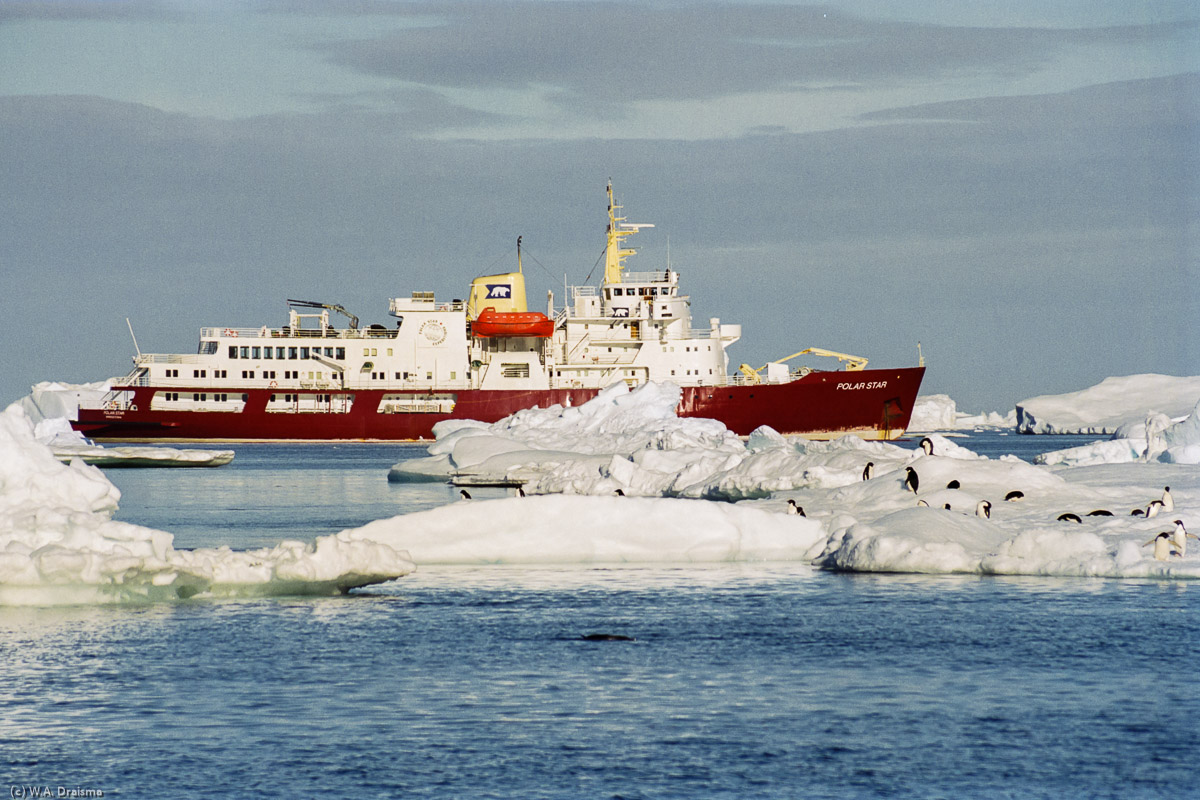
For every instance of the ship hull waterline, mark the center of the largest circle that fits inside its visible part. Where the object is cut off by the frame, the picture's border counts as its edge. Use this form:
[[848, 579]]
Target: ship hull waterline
[[872, 404]]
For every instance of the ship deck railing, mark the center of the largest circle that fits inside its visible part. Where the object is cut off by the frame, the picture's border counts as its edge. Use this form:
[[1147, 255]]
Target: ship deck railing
[[299, 333]]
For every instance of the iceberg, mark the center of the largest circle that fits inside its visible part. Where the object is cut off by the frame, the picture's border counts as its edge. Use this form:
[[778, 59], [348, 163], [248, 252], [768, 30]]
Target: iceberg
[[60, 545], [1109, 405]]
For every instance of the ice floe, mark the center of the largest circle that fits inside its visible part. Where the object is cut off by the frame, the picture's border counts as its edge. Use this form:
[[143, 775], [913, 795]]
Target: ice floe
[[59, 543], [67, 443], [849, 524]]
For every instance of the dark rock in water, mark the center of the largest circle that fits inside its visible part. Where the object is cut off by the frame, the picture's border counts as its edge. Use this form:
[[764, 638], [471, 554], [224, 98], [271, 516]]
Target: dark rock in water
[[606, 637]]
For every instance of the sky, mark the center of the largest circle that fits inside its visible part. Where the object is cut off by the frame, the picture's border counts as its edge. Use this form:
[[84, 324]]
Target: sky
[[1015, 186]]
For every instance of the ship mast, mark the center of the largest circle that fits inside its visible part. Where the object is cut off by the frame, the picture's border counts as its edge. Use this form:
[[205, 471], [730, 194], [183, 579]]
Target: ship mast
[[618, 229]]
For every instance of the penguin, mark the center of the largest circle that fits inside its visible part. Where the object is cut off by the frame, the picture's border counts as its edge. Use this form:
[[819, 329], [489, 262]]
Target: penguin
[[1137, 512], [1153, 509], [1100, 512], [954, 485], [1162, 546], [946, 506], [1168, 502], [927, 446], [869, 471], [1014, 496], [464, 494], [1181, 537], [792, 508], [520, 492], [922, 504], [911, 481], [983, 509], [620, 493], [1069, 517]]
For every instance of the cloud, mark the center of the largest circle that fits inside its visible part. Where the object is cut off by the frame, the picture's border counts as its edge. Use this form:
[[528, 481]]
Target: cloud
[[595, 56]]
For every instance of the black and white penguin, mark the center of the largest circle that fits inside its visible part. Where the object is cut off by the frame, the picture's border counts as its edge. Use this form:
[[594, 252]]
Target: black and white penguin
[[869, 471], [1181, 536], [1014, 496], [464, 494], [1162, 546], [1100, 512], [927, 446], [1153, 509], [983, 509], [792, 508], [1069, 517], [922, 504], [520, 492], [1137, 512], [911, 481], [1168, 502], [620, 493], [954, 485]]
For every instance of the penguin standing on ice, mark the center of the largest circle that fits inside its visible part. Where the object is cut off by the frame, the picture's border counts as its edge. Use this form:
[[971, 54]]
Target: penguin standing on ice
[[869, 471], [1162, 546], [463, 494], [911, 481], [1153, 509], [1181, 537], [983, 509], [792, 508], [927, 446], [1168, 502]]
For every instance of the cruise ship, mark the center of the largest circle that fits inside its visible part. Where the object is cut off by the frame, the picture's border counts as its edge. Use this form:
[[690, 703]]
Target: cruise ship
[[484, 357]]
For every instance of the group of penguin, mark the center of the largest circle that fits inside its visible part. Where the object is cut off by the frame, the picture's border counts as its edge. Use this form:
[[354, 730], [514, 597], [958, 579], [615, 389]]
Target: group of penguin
[[1166, 543]]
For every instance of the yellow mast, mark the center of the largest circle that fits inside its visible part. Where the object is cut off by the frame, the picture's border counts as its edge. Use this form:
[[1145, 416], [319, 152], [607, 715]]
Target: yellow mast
[[614, 255]]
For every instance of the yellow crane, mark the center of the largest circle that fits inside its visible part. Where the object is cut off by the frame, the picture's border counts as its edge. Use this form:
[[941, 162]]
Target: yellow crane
[[853, 363]]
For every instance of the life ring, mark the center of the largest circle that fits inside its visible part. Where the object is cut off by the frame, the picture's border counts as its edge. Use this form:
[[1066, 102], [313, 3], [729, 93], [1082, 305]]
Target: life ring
[[230, 333], [132, 407], [274, 385]]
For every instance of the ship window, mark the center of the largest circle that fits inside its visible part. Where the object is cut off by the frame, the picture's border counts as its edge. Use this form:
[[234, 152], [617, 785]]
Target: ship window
[[514, 370], [256, 352], [366, 351], [279, 353], [292, 353], [232, 351], [389, 351], [341, 354], [208, 348], [272, 398], [267, 353], [608, 294], [304, 353], [374, 351], [453, 376], [367, 366], [397, 376], [617, 292], [245, 352], [428, 376]]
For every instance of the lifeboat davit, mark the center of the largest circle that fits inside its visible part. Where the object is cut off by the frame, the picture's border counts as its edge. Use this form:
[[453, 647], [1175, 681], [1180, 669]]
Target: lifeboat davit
[[491, 322]]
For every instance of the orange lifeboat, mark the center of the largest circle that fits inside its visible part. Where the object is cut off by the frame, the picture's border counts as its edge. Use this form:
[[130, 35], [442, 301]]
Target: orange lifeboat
[[491, 322]]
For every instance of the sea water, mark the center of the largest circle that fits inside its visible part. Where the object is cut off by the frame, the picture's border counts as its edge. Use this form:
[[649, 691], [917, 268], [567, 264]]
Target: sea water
[[725, 681]]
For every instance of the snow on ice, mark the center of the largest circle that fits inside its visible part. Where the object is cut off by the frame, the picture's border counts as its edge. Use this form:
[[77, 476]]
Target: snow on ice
[[59, 543], [632, 442]]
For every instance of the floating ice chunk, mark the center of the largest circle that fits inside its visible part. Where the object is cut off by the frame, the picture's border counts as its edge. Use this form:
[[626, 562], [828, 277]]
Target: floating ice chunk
[[561, 529], [59, 543]]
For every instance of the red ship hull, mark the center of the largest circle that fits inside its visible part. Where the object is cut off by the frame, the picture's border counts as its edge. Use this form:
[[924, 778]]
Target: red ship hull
[[870, 403]]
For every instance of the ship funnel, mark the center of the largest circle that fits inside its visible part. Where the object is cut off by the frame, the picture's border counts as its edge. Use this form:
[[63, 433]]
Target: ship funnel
[[505, 293]]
